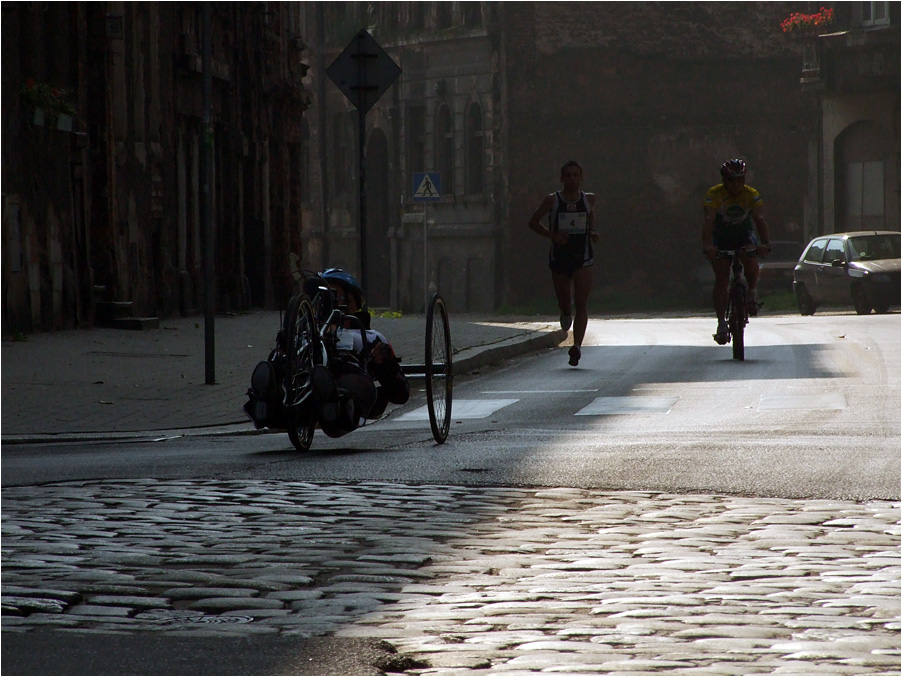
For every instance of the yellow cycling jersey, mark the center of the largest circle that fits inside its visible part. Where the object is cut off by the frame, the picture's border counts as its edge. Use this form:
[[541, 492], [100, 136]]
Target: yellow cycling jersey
[[732, 211]]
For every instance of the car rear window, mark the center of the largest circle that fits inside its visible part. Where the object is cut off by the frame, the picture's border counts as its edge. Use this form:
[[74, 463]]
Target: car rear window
[[815, 251], [874, 247]]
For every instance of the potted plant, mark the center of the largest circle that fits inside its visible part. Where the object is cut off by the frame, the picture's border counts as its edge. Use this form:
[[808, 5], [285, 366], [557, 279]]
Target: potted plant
[[48, 103]]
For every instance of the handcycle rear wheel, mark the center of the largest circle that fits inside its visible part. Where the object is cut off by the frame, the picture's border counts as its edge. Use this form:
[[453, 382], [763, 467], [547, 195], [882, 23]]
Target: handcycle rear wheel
[[737, 322], [438, 368], [303, 352]]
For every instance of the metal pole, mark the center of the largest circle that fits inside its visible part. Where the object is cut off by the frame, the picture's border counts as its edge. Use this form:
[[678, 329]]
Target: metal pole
[[425, 264], [361, 117], [361, 128], [206, 201], [323, 132]]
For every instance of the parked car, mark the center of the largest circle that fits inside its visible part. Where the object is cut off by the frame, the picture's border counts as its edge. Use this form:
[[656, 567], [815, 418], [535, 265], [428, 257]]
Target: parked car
[[860, 268], [777, 268]]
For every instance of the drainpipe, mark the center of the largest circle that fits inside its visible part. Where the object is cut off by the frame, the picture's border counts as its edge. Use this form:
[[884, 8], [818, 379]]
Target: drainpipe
[[323, 128]]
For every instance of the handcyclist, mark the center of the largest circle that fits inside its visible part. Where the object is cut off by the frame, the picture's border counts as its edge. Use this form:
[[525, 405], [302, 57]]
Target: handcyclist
[[571, 229], [733, 211], [347, 391]]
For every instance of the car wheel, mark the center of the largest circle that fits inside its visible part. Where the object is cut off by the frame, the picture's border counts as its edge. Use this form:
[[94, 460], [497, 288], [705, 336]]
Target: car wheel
[[806, 303], [881, 305], [861, 301]]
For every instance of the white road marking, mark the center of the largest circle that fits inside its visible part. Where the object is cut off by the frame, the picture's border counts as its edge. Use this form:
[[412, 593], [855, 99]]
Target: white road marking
[[611, 406], [461, 409], [534, 392], [817, 401]]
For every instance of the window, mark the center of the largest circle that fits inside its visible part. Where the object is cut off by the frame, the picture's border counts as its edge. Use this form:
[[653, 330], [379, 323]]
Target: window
[[417, 17], [341, 152], [472, 14], [444, 148], [416, 140], [835, 251], [815, 251], [874, 13], [475, 150], [306, 164], [874, 247], [443, 15], [864, 194]]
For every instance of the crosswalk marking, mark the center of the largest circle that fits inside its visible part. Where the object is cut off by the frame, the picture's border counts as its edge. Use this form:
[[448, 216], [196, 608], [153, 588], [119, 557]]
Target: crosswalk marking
[[535, 392], [461, 409], [617, 406], [611, 406]]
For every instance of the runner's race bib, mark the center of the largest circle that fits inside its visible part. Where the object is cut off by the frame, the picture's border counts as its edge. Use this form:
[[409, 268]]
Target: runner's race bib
[[572, 223]]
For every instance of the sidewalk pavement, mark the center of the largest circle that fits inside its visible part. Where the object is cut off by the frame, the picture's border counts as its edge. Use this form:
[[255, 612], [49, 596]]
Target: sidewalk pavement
[[113, 383]]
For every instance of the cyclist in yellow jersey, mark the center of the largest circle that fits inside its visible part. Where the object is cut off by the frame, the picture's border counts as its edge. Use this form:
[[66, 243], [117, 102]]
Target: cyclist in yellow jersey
[[733, 211]]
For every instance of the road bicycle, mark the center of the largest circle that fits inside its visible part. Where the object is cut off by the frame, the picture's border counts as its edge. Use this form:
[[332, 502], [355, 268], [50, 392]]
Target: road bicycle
[[281, 393]]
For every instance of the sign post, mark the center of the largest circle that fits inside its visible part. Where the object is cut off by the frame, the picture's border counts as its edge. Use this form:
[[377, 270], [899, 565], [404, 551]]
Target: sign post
[[427, 187], [363, 72]]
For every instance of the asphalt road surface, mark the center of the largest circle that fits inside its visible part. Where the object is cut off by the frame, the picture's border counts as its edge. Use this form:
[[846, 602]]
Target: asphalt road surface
[[812, 412]]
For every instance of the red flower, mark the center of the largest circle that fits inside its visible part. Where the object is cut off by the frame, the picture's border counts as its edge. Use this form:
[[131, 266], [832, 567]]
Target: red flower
[[802, 22]]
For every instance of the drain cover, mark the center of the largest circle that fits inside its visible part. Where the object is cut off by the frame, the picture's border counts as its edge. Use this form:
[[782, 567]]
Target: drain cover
[[175, 616]]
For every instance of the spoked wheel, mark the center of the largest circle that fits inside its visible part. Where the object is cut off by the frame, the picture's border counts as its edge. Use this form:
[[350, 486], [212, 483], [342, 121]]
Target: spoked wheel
[[737, 323], [303, 352], [439, 374]]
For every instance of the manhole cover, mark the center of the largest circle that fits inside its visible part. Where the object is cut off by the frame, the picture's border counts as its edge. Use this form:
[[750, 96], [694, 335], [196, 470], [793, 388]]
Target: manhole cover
[[175, 616]]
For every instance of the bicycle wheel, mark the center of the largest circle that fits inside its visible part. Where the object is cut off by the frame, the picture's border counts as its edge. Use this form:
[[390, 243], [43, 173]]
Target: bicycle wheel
[[302, 341], [439, 372], [737, 322]]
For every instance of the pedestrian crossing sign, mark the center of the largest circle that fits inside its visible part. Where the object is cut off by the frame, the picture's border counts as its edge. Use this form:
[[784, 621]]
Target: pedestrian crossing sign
[[427, 186]]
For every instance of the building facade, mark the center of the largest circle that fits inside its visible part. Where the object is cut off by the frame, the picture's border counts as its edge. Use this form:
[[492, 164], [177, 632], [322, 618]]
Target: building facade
[[649, 97], [852, 67], [442, 115], [102, 138]]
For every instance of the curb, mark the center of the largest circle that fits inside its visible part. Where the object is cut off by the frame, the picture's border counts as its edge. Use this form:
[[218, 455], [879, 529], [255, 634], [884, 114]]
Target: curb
[[466, 361], [475, 358]]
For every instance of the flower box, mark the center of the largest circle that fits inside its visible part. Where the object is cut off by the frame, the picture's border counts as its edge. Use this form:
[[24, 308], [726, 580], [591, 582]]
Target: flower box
[[807, 25]]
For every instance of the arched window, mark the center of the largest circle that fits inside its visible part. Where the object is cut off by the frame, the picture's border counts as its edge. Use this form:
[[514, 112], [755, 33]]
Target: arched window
[[475, 180], [444, 148], [341, 155]]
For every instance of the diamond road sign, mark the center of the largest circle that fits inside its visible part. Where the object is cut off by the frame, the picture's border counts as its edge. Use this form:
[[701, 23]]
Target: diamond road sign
[[363, 71]]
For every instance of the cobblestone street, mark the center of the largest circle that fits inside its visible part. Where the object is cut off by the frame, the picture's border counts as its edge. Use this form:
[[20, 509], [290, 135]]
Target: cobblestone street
[[468, 580]]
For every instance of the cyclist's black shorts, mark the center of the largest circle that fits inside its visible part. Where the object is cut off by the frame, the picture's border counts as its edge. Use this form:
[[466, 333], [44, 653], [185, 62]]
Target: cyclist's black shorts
[[734, 238]]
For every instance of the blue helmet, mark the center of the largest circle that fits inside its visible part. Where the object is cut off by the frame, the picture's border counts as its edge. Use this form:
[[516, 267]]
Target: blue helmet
[[346, 280]]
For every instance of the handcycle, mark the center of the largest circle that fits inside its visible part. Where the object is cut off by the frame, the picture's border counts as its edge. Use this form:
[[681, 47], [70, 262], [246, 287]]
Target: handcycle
[[281, 395], [737, 315]]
